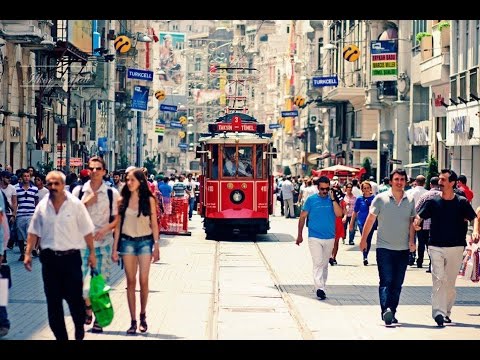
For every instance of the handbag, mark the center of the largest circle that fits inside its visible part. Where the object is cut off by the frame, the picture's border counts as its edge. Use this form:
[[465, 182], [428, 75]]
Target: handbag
[[100, 299], [5, 273]]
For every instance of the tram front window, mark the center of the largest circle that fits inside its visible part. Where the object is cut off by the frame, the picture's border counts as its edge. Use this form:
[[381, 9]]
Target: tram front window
[[240, 165]]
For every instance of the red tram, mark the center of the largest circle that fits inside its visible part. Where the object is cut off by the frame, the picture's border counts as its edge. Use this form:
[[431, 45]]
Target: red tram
[[236, 185]]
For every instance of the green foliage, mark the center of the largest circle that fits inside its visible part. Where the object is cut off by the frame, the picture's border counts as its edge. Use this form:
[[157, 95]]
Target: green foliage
[[150, 164], [287, 171], [368, 169], [432, 170], [421, 35], [443, 24], [45, 167]]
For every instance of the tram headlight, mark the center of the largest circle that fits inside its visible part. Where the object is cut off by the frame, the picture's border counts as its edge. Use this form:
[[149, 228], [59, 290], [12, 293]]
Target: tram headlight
[[237, 196]]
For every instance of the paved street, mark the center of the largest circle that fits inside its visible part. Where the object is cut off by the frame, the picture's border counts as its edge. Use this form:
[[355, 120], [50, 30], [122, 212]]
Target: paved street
[[204, 289]]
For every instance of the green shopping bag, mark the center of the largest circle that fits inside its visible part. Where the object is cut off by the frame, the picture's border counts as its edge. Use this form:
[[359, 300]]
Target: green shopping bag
[[100, 299]]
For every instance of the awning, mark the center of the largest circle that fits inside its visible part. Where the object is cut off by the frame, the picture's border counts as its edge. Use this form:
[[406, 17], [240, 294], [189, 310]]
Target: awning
[[413, 165]]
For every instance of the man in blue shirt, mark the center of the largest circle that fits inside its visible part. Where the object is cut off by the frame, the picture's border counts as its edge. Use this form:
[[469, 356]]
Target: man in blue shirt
[[321, 211]]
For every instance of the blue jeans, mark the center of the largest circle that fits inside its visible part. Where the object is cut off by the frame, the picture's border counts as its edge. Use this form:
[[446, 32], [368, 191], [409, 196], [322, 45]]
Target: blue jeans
[[191, 204], [369, 240], [4, 317], [392, 265], [351, 234]]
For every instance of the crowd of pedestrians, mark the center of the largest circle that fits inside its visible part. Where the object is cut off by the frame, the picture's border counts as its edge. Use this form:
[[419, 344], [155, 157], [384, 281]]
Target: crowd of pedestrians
[[402, 211]]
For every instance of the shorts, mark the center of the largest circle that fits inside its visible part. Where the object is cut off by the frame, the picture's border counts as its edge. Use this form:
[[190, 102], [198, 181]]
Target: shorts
[[22, 226], [104, 261], [135, 247]]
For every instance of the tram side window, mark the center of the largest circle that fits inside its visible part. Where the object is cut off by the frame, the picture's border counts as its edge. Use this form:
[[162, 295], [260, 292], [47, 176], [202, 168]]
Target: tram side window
[[229, 161], [259, 158], [245, 158], [214, 162]]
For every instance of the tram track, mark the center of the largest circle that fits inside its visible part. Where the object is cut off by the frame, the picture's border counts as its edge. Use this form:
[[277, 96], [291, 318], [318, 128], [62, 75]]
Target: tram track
[[212, 327], [292, 309]]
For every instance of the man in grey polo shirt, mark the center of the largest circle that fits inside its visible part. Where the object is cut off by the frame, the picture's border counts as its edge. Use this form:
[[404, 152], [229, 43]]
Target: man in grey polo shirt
[[395, 212]]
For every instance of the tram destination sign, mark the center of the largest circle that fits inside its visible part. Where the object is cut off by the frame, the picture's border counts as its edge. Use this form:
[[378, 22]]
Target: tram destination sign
[[241, 127]]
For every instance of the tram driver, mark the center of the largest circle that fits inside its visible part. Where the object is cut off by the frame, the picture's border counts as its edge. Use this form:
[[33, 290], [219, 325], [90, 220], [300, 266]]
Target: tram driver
[[229, 164]]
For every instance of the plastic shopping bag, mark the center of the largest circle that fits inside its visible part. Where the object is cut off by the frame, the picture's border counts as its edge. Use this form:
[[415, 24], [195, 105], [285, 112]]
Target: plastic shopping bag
[[100, 299]]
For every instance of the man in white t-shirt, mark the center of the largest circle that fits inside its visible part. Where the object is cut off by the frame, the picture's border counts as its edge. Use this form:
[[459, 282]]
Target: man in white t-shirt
[[39, 182]]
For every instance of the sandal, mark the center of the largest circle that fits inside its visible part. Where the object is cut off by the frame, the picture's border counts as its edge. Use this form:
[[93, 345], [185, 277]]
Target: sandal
[[133, 328], [96, 328], [143, 323], [88, 314]]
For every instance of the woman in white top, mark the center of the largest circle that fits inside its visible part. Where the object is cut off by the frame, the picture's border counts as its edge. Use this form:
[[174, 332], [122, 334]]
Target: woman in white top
[[135, 235]]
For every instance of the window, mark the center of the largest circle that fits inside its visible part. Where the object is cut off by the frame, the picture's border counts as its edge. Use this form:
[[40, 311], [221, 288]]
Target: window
[[463, 85], [473, 81], [320, 55], [198, 63], [466, 46], [417, 27], [453, 87], [455, 46], [259, 160], [420, 103]]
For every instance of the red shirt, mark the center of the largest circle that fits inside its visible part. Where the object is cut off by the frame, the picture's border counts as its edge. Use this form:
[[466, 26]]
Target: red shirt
[[467, 191]]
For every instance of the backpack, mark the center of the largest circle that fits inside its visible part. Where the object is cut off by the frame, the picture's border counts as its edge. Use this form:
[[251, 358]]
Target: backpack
[[110, 200], [7, 204]]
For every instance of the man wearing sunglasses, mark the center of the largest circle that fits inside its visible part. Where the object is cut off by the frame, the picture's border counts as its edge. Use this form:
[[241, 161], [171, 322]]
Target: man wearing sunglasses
[[321, 211], [95, 195]]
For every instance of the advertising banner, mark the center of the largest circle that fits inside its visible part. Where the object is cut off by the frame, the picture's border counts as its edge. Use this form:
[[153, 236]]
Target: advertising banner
[[172, 63], [384, 62], [140, 98]]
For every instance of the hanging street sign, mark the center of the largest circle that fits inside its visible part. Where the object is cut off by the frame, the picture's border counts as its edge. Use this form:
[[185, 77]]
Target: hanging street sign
[[138, 74], [170, 108], [291, 113]]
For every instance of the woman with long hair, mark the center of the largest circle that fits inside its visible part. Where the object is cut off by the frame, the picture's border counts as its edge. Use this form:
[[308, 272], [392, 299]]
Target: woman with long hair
[[136, 240]]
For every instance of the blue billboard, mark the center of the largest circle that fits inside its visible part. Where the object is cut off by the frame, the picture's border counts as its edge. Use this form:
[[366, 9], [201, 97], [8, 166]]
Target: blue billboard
[[140, 98]]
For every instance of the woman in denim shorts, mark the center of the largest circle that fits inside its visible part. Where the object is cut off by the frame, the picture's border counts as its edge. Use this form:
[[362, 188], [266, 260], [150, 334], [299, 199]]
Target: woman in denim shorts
[[136, 240]]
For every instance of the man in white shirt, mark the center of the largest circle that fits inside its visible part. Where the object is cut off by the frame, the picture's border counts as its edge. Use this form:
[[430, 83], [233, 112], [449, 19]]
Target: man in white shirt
[[11, 203], [416, 192], [63, 226], [104, 214], [40, 184]]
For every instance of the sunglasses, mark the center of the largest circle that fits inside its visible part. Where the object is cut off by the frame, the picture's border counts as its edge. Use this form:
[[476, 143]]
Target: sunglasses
[[95, 168], [324, 189], [56, 183]]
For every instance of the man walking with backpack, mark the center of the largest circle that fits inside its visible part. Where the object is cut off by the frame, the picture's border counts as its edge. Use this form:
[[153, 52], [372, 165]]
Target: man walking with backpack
[[101, 203]]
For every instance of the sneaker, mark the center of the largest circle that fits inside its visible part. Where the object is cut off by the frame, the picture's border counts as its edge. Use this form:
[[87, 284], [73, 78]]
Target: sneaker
[[365, 262], [439, 320], [351, 243], [3, 331], [331, 261], [394, 320], [428, 271], [447, 320], [388, 316], [334, 262], [96, 328], [321, 294]]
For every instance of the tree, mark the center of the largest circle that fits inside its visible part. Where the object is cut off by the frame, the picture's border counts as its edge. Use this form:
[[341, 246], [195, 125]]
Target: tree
[[432, 170], [368, 169], [45, 167], [150, 165], [123, 162], [287, 171]]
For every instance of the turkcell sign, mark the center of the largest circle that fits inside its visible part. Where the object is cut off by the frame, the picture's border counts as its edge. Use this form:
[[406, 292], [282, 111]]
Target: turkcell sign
[[289, 113], [274, 126], [176, 125], [325, 81], [138, 74], [171, 108]]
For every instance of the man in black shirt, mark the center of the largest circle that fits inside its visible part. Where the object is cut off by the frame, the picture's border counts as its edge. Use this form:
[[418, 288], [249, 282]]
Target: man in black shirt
[[448, 213]]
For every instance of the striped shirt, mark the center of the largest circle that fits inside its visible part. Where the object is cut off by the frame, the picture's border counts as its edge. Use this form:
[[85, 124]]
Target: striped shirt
[[26, 200], [433, 193]]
